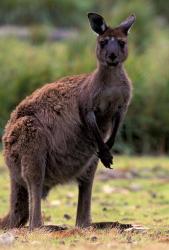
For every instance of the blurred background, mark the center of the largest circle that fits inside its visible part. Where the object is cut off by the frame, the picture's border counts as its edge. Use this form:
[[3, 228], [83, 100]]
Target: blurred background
[[41, 41]]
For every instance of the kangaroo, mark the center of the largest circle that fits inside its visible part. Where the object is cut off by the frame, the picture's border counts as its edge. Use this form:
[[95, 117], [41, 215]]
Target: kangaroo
[[59, 133]]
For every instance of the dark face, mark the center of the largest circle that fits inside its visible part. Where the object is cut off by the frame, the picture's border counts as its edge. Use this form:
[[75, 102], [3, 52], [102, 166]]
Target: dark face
[[111, 48]]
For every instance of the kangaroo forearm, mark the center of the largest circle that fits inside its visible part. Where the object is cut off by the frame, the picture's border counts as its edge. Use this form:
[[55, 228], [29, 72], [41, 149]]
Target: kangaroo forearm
[[103, 153], [117, 120], [93, 127]]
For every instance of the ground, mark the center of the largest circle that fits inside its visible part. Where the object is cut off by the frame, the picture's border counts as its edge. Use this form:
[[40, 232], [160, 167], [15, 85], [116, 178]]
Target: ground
[[136, 192]]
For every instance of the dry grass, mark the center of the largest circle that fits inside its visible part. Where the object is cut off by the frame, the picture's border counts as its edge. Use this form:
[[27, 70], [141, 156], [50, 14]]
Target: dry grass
[[138, 195]]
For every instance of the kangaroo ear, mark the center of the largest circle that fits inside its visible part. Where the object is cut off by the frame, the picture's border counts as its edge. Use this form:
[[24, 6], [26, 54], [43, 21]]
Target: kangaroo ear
[[97, 23], [126, 25]]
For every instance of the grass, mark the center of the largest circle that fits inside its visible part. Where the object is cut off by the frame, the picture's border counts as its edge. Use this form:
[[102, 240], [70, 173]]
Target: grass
[[137, 194]]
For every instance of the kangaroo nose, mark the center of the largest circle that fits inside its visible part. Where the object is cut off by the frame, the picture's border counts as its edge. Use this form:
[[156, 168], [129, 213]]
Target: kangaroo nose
[[112, 56]]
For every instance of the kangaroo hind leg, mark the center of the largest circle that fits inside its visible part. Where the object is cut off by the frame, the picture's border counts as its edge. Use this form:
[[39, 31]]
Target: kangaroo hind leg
[[85, 181], [33, 171], [19, 211]]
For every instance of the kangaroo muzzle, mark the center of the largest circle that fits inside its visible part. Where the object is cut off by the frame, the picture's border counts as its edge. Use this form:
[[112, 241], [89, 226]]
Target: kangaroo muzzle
[[112, 52]]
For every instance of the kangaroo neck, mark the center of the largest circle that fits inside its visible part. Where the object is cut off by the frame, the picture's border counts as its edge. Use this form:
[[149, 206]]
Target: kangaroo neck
[[108, 75]]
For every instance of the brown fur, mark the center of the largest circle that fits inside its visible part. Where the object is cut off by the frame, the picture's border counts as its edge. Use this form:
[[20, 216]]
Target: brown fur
[[48, 139]]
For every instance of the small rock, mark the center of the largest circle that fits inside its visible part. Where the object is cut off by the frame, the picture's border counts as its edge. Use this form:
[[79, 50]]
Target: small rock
[[70, 195], [55, 203], [125, 203], [7, 239], [153, 194], [67, 216], [137, 206], [107, 189], [94, 238], [135, 187]]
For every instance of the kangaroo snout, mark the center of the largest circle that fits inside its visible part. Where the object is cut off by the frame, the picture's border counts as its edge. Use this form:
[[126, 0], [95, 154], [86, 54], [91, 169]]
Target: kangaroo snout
[[112, 56]]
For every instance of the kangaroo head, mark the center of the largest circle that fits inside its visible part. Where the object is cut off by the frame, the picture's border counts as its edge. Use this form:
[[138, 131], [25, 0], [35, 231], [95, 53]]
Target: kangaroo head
[[111, 46]]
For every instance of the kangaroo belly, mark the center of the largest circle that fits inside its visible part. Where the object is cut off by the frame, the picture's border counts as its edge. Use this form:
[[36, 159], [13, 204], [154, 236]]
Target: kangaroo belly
[[68, 163]]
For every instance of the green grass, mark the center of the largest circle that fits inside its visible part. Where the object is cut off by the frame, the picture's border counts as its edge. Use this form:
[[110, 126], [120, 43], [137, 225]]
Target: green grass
[[141, 197]]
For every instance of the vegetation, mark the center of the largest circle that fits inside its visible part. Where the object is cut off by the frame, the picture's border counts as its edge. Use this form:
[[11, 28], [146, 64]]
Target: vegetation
[[137, 193], [26, 65], [70, 12]]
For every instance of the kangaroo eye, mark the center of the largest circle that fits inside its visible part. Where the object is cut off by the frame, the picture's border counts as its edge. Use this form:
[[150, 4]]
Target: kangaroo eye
[[103, 43], [121, 43]]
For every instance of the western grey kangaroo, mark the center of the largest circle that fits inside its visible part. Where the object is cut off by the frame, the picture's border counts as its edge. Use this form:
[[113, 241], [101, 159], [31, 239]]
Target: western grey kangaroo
[[59, 133]]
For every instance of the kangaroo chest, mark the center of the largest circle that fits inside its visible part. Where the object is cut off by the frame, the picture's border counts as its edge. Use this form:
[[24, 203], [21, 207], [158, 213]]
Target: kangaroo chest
[[110, 99]]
